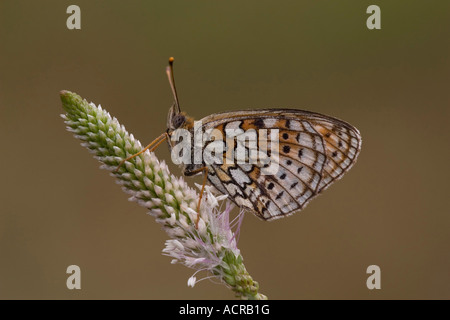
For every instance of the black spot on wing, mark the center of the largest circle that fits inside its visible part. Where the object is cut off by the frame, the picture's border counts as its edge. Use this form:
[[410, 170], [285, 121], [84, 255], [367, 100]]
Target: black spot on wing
[[288, 124], [279, 195], [259, 123]]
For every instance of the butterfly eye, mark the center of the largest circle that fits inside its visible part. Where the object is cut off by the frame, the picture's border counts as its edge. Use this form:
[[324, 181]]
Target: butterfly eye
[[178, 120]]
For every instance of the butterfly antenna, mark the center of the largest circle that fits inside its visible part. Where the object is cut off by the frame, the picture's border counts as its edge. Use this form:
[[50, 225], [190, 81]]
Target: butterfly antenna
[[169, 71]]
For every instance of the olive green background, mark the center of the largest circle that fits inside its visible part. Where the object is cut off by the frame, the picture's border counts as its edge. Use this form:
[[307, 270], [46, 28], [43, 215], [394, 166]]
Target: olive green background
[[391, 209]]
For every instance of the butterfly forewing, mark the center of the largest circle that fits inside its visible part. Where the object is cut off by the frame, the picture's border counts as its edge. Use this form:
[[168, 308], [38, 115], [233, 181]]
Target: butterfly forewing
[[313, 151]]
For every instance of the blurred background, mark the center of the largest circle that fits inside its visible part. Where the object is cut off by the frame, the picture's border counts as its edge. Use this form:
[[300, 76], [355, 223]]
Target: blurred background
[[391, 209]]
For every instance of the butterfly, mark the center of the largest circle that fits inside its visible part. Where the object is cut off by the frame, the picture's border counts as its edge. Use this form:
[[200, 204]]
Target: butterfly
[[311, 152]]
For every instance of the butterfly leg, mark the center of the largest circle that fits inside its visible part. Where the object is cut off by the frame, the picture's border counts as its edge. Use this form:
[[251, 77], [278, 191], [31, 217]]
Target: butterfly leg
[[204, 170], [152, 146]]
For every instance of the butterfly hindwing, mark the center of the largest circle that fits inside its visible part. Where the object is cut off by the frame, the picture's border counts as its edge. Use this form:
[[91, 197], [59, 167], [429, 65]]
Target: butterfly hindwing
[[313, 151]]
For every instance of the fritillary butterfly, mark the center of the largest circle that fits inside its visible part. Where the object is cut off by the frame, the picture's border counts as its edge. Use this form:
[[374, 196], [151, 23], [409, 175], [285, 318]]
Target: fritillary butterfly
[[314, 150]]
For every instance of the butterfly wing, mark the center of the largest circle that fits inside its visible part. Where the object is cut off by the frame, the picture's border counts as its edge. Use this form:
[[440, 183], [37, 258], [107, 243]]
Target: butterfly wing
[[314, 150]]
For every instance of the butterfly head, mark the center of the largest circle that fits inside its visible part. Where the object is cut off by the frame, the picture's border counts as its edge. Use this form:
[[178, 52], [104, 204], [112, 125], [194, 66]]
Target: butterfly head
[[177, 119]]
